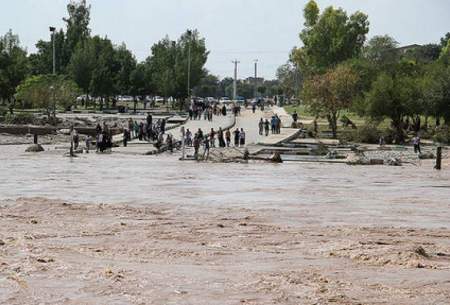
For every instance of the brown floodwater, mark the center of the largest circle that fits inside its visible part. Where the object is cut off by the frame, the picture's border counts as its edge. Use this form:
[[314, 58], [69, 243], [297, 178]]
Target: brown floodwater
[[328, 193]]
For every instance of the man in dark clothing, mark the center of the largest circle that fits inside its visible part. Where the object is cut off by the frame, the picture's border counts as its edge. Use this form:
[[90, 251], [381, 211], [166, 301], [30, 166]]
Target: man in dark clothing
[[224, 110], [261, 127], [228, 137], [149, 119], [267, 127], [206, 151], [220, 136], [236, 137], [295, 117], [196, 146], [200, 134], [163, 126]]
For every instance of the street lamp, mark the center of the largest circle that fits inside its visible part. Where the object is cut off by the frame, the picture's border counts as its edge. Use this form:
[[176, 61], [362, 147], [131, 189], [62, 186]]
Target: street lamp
[[52, 30], [189, 32], [256, 79]]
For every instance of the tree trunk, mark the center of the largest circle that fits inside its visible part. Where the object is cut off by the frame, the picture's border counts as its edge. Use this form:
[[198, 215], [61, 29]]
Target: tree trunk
[[399, 138]]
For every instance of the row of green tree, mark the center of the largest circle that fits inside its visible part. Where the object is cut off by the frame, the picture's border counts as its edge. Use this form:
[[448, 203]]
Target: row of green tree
[[377, 79], [94, 66]]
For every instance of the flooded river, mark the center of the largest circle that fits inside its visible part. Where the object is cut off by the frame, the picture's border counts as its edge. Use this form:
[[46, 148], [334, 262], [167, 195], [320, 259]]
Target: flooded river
[[328, 193], [197, 233]]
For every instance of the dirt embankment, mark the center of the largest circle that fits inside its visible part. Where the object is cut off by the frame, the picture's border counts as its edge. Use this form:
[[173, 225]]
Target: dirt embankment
[[53, 252]]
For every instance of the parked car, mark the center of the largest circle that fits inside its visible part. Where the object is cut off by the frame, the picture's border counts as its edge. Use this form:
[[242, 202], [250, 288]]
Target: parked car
[[84, 97]]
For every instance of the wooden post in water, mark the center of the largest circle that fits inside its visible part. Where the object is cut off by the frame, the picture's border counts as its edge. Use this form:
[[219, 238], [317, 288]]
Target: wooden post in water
[[438, 158]]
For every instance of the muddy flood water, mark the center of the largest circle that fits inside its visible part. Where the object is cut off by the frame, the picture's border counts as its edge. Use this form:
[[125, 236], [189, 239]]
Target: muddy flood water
[[123, 229], [336, 193]]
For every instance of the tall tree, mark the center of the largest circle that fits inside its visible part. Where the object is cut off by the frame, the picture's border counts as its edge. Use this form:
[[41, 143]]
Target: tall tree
[[13, 67], [394, 96], [330, 38], [328, 94], [77, 24], [170, 61], [289, 78], [124, 64], [381, 50], [208, 86], [102, 82], [82, 65]]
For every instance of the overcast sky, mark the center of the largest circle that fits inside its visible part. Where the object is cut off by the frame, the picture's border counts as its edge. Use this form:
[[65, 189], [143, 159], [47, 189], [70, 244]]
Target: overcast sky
[[234, 29]]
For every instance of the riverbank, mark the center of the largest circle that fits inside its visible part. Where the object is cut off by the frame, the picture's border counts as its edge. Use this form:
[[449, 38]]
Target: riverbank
[[166, 253]]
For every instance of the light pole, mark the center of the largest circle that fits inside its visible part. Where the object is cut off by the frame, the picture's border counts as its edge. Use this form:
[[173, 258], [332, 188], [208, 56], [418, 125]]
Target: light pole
[[189, 32], [235, 62], [256, 78], [52, 30]]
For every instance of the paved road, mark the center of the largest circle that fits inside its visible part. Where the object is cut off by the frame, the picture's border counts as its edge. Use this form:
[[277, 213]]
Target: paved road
[[247, 120]]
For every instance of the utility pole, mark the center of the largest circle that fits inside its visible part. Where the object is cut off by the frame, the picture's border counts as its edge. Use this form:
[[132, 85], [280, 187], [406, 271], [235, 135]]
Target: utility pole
[[52, 30], [235, 62], [256, 78], [189, 66]]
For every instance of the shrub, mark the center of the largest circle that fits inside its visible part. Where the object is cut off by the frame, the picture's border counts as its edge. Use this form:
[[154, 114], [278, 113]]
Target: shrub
[[368, 133], [19, 118], [442, 135]]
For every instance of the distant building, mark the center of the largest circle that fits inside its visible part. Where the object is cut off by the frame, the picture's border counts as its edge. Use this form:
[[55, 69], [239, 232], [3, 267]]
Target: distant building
[[252, 80], [405, 49]]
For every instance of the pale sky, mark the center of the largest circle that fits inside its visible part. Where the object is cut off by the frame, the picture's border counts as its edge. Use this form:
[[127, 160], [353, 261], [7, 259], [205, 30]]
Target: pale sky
[[234, 29]]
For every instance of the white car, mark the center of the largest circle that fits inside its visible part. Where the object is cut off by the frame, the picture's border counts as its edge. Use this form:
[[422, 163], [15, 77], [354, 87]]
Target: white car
[[159, 99], [84, 97], [225, 100], [125, 98]]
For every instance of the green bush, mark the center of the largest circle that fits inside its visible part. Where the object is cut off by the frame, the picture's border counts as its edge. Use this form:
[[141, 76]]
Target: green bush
[[19, 118], [368, 133], [442, 135]]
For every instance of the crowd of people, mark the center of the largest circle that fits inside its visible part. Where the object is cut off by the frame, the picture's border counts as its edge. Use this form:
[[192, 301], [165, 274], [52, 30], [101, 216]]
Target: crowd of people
[[220, 138], [155, 131], [198, 111], [265, 126]]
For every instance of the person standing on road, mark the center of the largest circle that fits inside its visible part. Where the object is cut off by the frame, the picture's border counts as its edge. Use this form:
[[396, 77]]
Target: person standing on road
[[212, 138], [131, 126], [254, 107], [278, 124], [236, 137], [228, 137], [224, 110], [416, 143], [261, 126], [295, 117], [200, 134], [206, 151], [188, 137], [220, 136], [242, 138], [149, 119], [196, 145], [273, 124], [169, 142], [88, 143], [266, 127]]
